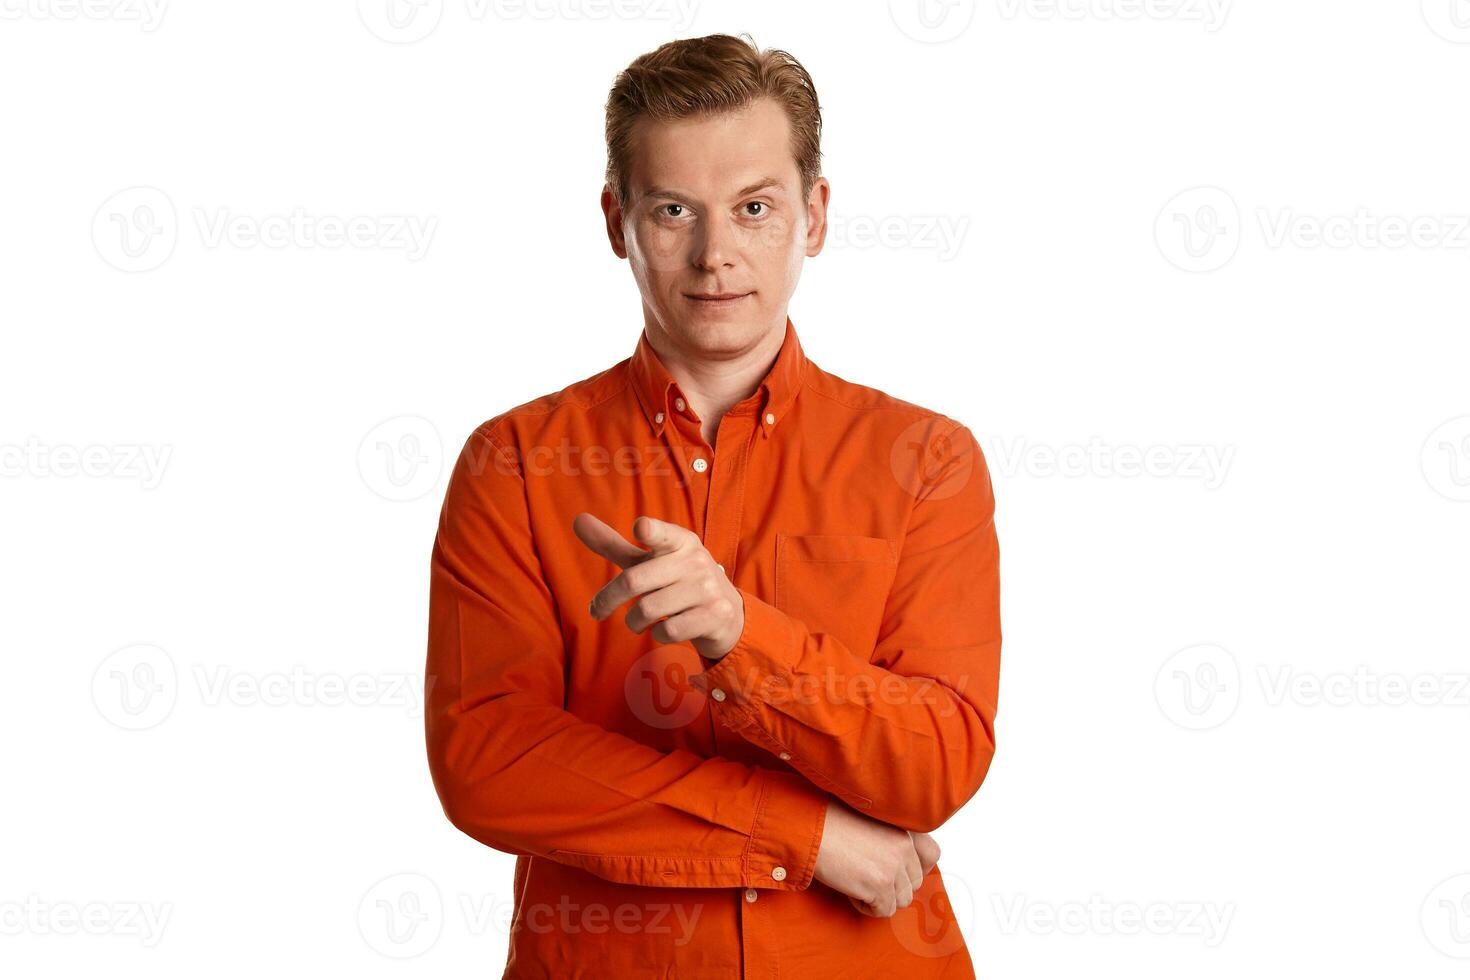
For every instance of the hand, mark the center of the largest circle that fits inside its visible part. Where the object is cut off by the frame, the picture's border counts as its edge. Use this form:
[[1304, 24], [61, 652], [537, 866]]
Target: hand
[[685, 594], [928, 850], [877, 866]]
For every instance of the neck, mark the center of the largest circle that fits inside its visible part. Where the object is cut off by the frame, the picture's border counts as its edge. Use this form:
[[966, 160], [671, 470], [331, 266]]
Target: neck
[[714, 381]]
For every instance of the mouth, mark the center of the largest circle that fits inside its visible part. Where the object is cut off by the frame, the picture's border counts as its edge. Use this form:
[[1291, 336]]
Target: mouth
[[717, 300]]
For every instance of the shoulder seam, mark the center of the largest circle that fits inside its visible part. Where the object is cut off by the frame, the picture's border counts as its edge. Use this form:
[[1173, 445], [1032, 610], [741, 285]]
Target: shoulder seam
[[526, 411], [918, 411]]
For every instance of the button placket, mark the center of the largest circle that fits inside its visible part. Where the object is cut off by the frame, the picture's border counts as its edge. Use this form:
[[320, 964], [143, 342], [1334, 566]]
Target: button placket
[[723, 510]]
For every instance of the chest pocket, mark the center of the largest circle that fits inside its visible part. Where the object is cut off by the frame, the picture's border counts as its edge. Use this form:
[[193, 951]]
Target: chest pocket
[[836, 583]]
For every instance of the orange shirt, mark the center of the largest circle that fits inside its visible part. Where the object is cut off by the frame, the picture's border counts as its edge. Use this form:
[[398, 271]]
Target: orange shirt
[[666, 809]]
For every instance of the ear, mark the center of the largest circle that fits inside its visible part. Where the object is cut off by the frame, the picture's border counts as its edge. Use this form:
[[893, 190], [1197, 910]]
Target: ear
[[816, 216], [613, 216]]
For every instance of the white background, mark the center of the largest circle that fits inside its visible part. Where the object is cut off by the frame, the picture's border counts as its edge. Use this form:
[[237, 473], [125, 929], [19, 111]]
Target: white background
[[1227, 239]]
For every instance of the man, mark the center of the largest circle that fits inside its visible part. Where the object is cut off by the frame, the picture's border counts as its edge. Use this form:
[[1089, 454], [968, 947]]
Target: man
[[717, 748]]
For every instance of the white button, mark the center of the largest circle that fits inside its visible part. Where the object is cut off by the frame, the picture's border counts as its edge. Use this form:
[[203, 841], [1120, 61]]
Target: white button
[[700, 465], [770, 419], [784, 756], [779, 873], [717, 694], [750, 895], [679, 404], [659, 417]]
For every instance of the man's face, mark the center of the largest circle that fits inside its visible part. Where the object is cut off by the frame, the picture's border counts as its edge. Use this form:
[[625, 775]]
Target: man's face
[[715, 208]]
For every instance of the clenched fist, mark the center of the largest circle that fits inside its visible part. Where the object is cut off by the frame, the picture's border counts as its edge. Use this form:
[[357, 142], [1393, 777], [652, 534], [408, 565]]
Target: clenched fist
[[876, 865]]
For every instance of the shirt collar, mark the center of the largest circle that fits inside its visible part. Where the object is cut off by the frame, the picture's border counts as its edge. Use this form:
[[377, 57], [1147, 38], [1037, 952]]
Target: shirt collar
[[658, 391]]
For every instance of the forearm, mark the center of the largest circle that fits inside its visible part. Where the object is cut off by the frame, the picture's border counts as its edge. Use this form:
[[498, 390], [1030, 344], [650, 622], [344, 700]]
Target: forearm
[[908, 750], [523, 775]]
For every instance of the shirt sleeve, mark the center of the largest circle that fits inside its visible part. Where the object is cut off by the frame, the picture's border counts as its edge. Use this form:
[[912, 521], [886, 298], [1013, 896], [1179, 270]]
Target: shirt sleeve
[[904, 732], [518, 772]]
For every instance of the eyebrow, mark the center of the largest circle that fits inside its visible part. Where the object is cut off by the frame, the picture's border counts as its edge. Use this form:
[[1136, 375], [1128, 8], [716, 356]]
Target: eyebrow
[[759, 185]]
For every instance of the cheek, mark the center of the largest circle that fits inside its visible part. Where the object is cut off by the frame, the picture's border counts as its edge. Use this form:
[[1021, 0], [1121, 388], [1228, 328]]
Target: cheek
[[658, 248], [783, 245], [774, 240], [794, 260]]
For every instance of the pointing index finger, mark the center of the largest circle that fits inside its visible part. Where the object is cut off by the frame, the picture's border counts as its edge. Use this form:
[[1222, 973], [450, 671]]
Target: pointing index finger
[[602, 538]]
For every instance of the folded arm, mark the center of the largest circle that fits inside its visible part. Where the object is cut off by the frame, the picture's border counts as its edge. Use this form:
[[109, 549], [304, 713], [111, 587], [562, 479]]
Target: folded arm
[[903, 732], [518, 772]]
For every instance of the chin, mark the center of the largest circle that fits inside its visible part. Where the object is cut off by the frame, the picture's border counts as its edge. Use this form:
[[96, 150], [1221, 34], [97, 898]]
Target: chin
[[717, 332]]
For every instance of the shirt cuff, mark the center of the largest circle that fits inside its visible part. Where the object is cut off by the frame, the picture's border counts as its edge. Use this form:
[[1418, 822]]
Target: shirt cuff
[[758, 666], [782, 852]]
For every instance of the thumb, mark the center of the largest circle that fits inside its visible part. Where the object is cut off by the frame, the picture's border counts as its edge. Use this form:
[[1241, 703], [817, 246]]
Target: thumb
[[658, 536]]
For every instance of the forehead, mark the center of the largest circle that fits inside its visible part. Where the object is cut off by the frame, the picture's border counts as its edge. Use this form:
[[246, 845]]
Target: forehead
[[713, 154]]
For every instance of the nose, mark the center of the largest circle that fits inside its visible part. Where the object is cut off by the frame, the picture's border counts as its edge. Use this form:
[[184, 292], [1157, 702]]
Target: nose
[[717, 245]]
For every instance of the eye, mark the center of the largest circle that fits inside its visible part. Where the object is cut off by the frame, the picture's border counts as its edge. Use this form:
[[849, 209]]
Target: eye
[[664, 210], [758, 204]]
